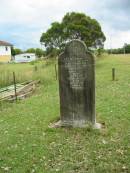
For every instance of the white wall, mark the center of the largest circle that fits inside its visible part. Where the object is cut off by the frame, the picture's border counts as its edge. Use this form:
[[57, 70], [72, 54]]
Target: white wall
[[3, 50]]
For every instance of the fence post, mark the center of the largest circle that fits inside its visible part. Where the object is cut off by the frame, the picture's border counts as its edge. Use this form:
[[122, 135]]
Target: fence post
[[113, 74], [35, 68], [15, 89], [56, 71], [0, 104]]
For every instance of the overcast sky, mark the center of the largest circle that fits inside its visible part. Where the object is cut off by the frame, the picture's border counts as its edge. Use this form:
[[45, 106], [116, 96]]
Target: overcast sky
[[23, 21]]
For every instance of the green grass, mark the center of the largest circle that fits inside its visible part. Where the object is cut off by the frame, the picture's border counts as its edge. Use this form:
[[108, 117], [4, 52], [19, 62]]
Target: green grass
[[27, 145], [23, 72]]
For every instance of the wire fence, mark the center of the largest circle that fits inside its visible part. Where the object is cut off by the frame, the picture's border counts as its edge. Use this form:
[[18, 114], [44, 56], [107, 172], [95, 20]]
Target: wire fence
[[9, 77]]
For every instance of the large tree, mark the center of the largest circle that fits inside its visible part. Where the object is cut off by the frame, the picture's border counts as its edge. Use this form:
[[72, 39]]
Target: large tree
[[73, 26]]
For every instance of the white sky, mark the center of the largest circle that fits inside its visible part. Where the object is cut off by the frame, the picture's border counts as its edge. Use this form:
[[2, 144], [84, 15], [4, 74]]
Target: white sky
[[23, 21]]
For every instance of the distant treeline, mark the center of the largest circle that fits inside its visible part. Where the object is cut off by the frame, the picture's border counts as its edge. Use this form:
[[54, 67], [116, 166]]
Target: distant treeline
[[38, 52], [125, 49], [53, 52]]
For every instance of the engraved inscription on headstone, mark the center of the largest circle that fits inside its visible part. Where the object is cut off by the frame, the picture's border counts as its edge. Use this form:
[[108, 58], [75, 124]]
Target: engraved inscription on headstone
[[76, 85]]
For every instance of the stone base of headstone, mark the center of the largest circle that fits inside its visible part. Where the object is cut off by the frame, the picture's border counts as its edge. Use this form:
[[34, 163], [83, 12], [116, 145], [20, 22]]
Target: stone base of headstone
[[80, 124], [97, 126], [76, 124], [55, 124]]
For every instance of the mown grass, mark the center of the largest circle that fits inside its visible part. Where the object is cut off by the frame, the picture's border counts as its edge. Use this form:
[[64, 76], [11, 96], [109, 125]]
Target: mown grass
[[27, 145]]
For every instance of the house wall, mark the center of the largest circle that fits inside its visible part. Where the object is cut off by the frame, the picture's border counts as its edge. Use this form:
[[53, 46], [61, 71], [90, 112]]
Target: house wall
[[5, 58], [5, 50], [5, 53]]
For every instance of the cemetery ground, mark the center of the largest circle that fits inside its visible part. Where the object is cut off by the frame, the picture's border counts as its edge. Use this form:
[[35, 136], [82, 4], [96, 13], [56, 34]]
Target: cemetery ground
[[28, 145]]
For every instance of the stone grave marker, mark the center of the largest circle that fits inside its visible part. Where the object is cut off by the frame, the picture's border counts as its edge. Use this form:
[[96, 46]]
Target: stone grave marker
[[76, 70]]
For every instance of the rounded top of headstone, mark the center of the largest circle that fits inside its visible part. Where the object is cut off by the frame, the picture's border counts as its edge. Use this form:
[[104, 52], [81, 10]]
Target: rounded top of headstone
[[75, 46]]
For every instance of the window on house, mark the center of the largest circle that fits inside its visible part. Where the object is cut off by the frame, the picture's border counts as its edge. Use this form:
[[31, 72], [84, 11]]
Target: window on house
[[28, 56], [6, 48]]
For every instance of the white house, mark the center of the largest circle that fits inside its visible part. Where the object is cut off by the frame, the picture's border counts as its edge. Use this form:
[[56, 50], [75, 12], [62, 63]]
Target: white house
[[25, 57], [5, 51]]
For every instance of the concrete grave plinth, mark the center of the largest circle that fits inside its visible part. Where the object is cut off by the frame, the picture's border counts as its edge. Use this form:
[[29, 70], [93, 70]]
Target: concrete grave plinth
[[76, 70]]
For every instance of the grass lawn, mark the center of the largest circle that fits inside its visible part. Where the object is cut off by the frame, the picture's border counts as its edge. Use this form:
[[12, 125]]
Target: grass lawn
[[27, 145]]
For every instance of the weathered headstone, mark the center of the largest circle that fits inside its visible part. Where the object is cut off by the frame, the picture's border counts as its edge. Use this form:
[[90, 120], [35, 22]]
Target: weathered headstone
[[76, 85]]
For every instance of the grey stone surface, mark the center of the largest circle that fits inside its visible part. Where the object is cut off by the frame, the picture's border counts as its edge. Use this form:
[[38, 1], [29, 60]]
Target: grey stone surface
[[76, 70]]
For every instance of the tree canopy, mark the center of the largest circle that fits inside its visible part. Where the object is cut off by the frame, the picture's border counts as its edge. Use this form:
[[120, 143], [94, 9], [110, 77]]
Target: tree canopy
[[15, 51], [39, 52], [73, 26]]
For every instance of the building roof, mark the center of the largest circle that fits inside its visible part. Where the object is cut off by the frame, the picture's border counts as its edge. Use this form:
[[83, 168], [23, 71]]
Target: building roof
[[4, 43]]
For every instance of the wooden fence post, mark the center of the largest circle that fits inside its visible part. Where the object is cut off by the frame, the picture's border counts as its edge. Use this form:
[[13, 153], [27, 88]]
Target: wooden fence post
[[35, 68], [56, 71], [113, 74], [15, 89], [0, 104]]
